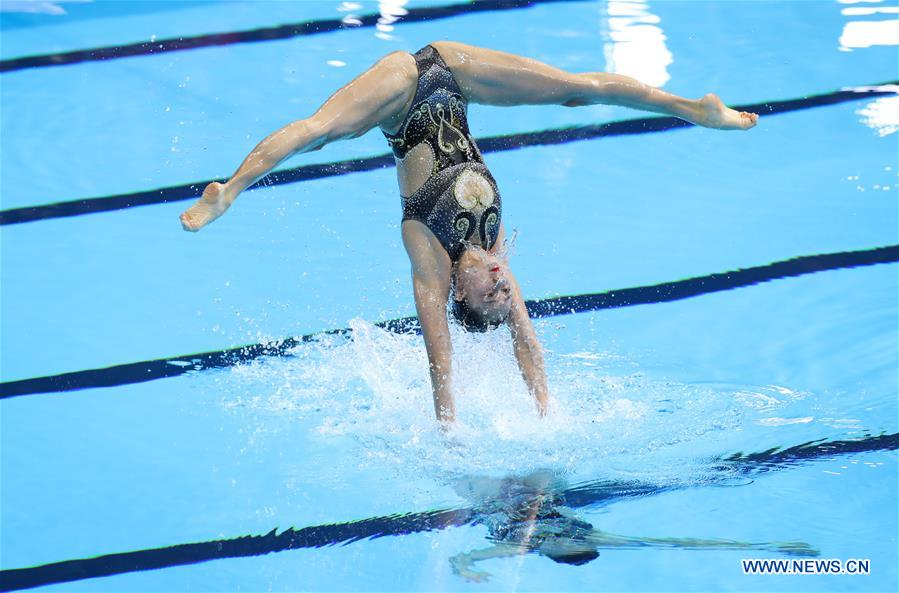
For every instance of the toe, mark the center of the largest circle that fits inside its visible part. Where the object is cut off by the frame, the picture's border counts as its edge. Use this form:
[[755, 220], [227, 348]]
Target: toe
[[748, 119], [187, 223]]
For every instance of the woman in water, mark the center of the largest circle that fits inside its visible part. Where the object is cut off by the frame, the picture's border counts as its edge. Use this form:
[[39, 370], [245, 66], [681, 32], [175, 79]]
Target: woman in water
[[452, 212], [527, 514]]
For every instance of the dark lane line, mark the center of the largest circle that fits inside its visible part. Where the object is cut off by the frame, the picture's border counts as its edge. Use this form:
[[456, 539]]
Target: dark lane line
[[139, 372], [502, 143], [601, 492], [691, 287], [281, 32]]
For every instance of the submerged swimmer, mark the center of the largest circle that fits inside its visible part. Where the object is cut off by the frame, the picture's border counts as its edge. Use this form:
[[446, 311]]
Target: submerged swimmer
[[524, 514], [452, 212]]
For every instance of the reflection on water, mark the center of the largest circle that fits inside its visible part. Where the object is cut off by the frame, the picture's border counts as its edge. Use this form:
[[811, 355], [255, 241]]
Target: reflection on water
[[527, 514], [391, 11], [882, 114], [350, 19], [883, 29], [634, 43], [37, 6]]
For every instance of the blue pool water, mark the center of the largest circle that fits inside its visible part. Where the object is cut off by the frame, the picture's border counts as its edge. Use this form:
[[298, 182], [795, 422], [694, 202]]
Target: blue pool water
[[732, 376]]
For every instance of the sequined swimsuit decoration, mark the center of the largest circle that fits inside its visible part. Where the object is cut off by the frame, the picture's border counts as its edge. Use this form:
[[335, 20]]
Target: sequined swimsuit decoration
[[460, 197]]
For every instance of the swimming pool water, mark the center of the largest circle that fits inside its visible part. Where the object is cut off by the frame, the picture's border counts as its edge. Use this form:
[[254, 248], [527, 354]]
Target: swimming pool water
[[674, 418]]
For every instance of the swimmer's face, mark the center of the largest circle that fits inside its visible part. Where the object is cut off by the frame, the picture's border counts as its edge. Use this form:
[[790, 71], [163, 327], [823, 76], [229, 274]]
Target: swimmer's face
[[482, 280]]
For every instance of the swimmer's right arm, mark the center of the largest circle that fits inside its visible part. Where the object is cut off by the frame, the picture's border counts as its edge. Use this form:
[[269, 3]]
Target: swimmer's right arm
[[431, 272], [373, 97], [430, 304]]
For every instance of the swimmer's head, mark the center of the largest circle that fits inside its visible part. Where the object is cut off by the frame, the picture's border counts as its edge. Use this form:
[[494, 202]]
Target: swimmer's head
[[482, 292], [569, 551]]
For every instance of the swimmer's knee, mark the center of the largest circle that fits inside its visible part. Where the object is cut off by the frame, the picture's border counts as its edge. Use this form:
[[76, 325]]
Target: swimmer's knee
[[400, 61]]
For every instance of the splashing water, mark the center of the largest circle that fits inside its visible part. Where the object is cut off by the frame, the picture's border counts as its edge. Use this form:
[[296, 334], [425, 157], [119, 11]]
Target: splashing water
[[607, 416]]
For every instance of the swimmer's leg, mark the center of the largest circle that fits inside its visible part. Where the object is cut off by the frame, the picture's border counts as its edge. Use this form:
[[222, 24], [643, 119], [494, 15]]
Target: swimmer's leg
[[499, 78], [602, 539], [372, 98]]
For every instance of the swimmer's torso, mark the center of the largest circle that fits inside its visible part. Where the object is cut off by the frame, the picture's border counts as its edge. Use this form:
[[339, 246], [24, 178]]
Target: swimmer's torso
[[528, 521], [443, 180]]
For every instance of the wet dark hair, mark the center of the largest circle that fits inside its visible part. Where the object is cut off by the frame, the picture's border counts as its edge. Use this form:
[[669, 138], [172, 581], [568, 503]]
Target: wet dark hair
[[473, 321], [574, 558]]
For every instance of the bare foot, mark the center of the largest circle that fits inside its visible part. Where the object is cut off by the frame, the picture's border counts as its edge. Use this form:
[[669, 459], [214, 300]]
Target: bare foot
[[715, 114], [212, 205]]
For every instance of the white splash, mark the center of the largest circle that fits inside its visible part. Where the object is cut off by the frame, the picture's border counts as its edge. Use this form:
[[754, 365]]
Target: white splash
[[373, 391]]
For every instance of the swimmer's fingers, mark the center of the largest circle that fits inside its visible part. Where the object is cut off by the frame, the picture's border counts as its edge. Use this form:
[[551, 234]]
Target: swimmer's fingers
[[475, 576], [464, 567]]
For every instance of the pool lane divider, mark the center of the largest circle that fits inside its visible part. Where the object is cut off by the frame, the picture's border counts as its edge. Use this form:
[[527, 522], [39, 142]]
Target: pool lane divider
[[599, 492], [277, 33], [139, 372], [503, 143]]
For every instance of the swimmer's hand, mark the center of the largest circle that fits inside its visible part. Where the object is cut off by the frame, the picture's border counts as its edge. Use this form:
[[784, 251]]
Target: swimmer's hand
[[216, 199], [711, 112], [796, 549], [464, 567]]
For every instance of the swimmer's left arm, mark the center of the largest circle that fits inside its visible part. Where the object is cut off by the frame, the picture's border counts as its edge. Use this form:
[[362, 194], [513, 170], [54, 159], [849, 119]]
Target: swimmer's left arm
[[527, 348], [463, 564]]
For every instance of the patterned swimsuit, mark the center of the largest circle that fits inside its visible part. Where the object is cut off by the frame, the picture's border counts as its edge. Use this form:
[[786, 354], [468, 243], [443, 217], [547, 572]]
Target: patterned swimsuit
[[460, 197]]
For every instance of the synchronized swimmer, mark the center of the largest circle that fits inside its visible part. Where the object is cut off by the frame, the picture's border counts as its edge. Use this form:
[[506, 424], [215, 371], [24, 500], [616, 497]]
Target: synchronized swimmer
[[452, 210]]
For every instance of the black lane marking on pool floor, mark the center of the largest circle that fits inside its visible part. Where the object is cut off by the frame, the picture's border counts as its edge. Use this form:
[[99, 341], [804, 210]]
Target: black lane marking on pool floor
[[139, 372], [600, 492], [278, 33], [503, 143]]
